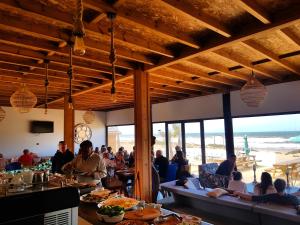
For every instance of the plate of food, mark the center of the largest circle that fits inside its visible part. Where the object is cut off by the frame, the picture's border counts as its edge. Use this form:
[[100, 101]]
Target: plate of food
[[97, 196], [143, 214], [126, 203], [110, 214], [132, 222]]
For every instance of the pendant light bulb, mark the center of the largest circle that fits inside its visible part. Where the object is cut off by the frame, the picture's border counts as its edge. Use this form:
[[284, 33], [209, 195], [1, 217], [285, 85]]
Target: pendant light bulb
[[46, 111], [79, 47], [114, 97]]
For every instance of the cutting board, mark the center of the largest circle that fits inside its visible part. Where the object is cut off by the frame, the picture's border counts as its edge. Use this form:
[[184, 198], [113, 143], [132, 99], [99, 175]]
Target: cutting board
[[145, 214]]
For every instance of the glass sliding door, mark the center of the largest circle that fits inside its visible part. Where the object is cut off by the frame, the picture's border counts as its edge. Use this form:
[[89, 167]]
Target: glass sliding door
[[160, 134], [193, 145], [214, 140], [174, 138]]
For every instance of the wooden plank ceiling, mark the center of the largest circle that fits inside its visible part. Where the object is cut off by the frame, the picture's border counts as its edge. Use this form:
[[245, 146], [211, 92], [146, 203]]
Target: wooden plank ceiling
[[189, 47]]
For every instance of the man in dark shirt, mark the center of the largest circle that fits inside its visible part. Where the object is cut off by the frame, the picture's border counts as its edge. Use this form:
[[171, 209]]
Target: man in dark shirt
[[280, 197], [227, 167], [162, 164], [61, 157]]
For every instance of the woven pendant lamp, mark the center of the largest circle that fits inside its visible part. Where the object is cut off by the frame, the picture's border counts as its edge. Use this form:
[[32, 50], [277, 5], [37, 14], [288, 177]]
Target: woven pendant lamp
[[23, 100], [2, 114], [253, 92], [89, 117]]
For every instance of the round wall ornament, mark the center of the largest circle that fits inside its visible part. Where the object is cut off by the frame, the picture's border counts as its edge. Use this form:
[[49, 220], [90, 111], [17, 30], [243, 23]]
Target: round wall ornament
[[82, 132]]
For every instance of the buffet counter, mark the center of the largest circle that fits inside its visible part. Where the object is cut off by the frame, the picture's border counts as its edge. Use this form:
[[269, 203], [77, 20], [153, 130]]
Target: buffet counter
[[232, 207], [88, 212]]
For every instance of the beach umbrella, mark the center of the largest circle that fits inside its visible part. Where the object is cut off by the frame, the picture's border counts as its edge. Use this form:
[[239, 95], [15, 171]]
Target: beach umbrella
[[246, 145]]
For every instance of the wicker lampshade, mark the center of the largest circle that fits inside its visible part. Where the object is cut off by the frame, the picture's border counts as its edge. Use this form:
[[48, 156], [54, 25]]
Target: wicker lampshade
[[23, 100], [253, 92], [89, 117], [2, 114]]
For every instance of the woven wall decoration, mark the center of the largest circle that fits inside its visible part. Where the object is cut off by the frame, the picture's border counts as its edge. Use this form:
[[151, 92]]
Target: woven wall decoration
[[82, 132], [2, 114], [89, 117], [23, 100], [253, 92]]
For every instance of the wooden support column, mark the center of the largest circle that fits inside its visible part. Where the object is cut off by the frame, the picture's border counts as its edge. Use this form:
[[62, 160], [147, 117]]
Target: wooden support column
[[68, 124], [228, 124], [142, 118]]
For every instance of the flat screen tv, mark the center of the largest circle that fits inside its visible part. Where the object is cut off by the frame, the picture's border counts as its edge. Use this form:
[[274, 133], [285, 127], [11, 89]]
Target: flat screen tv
[[41, 127]]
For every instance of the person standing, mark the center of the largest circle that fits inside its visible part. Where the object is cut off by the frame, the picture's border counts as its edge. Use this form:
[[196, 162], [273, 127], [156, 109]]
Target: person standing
[[228, 166], [162, 164], [62, 156], [90, 166]]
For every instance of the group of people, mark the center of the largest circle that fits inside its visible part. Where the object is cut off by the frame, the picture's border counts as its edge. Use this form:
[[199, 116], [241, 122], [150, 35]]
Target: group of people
[[265, 191], [27, 159]]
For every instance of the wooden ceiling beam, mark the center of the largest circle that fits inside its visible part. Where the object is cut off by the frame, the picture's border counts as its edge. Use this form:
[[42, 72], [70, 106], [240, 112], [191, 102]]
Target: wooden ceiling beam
[[38, 11], [279, 22], [289, 36], [188, 10], [128, 76], [255, 10], [98, 18], [270, 55], [52, 74], [248, 65], [180, 77], [219, 68], [193, 71], [163, 80], [136, 20], [32, 64], [13, 44], [53, 36]]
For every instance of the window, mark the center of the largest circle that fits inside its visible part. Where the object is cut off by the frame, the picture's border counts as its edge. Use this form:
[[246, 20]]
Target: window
[[160, 134], [272, 141], [193, 145], [175, 138], [121, 136], [214, 140]]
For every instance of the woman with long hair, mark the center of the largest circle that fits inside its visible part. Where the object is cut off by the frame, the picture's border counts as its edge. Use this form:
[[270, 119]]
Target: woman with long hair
[[265, 186]]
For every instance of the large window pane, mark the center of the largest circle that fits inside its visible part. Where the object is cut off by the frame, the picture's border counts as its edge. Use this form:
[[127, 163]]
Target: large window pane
[[193, 145], [121, 136], [175, 138], [160, 134], [273, 141], [214, 140]]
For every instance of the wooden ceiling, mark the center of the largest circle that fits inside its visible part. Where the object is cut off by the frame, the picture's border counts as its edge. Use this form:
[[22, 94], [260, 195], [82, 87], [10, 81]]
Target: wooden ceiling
[[189, 47]]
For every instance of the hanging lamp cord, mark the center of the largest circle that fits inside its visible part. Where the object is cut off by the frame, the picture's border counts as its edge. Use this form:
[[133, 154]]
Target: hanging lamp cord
[[78, 24], [70, 74], [46, 84], [112, 55]]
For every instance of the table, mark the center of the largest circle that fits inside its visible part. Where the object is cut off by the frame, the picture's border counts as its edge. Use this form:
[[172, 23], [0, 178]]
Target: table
[[124, 176], [88, 212]]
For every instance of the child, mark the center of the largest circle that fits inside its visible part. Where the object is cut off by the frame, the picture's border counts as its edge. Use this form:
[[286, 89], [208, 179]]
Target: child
[[236, 184]]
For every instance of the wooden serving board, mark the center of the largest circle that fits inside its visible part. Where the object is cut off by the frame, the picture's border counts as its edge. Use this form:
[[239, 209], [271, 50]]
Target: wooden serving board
[[145, 214]]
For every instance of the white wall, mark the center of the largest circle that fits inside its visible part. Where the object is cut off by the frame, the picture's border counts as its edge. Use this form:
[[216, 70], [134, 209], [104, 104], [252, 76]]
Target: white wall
[[281, 98], [15, 135]]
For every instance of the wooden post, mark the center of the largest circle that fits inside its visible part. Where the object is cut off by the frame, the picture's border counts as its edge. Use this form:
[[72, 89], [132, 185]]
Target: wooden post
[[228, 124], [68, 124], [142, 118]]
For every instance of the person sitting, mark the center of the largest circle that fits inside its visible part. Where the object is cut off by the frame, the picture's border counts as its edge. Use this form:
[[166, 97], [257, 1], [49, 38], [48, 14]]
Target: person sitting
[[111, 154], [279, 198], [265, 186], [97, 150], [119, 159], [91, 166], [108, 162], [162, 164], [177, 149], [236, 184], [228, 166], [26, 159], [181, 163], [62, 156], [131, 159], [103, 149]]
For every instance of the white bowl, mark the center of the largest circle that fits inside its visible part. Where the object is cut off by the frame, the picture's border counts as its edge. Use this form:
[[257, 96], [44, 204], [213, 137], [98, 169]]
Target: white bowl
[[108, 219]]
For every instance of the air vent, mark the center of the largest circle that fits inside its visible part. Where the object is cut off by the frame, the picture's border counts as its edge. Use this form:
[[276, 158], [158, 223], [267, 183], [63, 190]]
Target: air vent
[[61, 217]]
